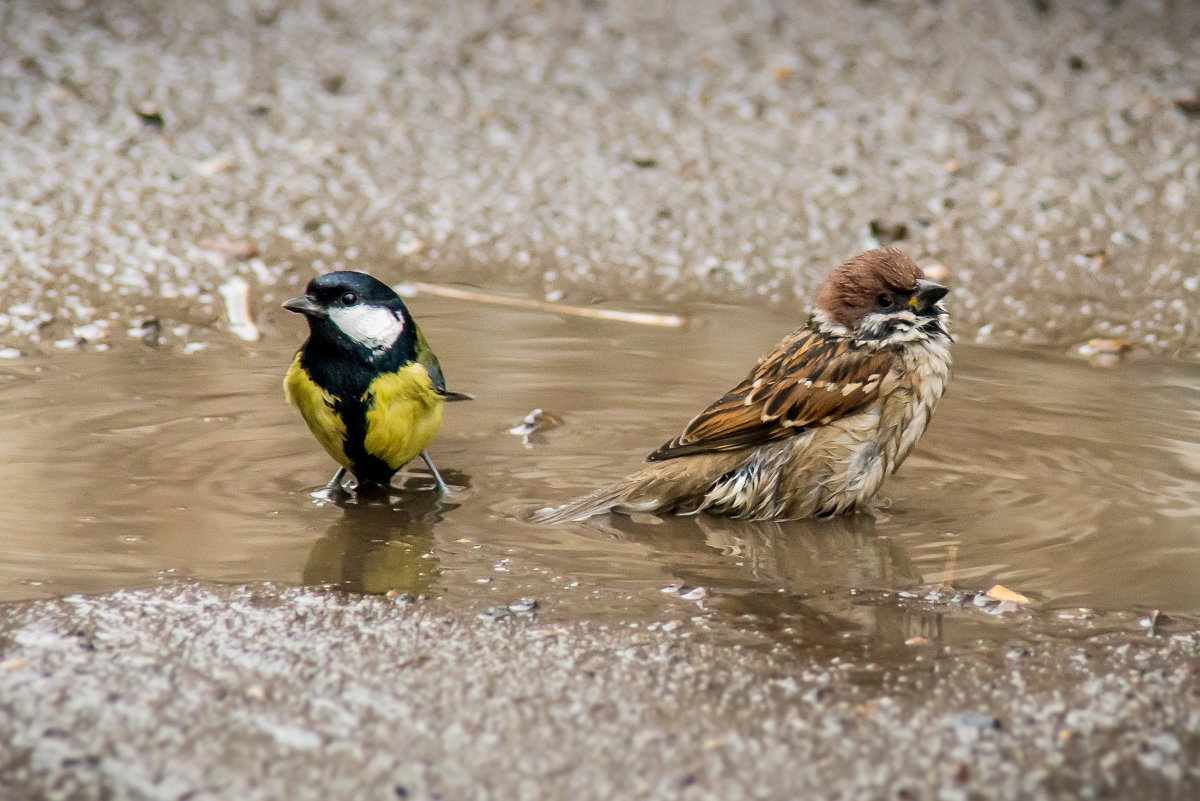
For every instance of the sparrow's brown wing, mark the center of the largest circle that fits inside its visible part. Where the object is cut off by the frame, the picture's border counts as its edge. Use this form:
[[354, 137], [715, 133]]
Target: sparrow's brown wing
[[808, 380]]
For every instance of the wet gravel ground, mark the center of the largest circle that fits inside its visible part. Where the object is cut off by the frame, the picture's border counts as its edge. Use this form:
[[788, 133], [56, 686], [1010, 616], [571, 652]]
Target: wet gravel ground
[[1047, 154], [205, 692]]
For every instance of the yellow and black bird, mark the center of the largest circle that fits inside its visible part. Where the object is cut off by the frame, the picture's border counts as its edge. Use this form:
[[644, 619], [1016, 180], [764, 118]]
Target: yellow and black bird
[[366, 381]]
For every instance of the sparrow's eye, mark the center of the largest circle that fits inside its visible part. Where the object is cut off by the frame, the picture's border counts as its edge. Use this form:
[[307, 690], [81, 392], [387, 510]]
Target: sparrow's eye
[[885, 301], [349, 299]]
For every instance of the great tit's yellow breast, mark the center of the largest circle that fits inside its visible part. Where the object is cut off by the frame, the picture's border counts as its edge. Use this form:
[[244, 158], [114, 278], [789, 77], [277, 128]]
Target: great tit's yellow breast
[[404, 413], [316, 407]]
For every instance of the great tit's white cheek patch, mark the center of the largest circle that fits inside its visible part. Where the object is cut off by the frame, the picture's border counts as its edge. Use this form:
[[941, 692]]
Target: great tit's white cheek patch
[[374, 327]]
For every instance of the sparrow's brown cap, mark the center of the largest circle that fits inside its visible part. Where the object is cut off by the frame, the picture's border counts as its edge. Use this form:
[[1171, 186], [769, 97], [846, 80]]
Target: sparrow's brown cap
[[851, 291]]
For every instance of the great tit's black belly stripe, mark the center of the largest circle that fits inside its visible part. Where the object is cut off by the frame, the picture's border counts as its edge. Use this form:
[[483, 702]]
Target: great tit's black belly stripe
[[347, 377], [367, 466]]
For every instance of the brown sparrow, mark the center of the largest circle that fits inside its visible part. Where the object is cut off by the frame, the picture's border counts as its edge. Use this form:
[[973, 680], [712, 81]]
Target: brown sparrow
[[820, 421]]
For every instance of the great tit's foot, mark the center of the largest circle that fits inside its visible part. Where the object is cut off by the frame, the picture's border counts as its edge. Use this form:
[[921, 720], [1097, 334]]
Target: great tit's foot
[[333, 491]]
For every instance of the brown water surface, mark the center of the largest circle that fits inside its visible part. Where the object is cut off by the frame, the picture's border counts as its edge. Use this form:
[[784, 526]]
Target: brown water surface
[[1076, 486]]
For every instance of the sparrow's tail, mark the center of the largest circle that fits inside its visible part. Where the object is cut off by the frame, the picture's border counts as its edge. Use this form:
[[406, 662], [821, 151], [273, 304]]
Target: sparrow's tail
[[613, 498], [675, 485]]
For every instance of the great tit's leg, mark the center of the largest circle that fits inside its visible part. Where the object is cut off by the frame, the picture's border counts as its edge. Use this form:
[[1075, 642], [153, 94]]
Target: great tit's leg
[[335, 483], [333, 491], [442, 488]]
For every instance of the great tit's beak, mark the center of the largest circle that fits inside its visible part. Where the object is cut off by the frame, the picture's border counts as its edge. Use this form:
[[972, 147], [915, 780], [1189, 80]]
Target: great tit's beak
[[927, 295], [306, 306]]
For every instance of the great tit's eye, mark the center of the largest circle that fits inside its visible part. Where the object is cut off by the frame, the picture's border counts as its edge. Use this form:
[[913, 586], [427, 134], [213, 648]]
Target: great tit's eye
[[349, 299], [885, 301]]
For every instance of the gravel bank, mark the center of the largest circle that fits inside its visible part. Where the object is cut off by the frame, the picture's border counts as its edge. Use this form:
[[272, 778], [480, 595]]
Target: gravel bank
[[619, 149], [204, 692]]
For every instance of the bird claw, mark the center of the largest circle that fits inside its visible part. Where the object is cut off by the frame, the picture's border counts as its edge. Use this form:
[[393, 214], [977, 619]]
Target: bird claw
[[334, 491], [330, 494]]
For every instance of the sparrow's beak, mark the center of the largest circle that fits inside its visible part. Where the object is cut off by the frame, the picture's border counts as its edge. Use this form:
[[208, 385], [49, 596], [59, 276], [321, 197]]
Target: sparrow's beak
[[306, 306], [927, 295]]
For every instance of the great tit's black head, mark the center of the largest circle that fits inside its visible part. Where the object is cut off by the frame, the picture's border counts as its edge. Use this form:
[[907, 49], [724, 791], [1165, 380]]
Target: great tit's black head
[[350, 308]]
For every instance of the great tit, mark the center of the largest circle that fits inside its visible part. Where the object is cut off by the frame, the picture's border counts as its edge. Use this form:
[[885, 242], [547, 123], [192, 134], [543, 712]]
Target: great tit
[[366, 381]]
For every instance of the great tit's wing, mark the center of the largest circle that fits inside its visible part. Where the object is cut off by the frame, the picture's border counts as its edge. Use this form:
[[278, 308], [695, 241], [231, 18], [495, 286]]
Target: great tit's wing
[[427, 359], [809, 380]]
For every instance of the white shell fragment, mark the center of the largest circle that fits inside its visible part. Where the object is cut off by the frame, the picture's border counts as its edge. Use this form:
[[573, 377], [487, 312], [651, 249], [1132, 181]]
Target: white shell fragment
[[236, 292]]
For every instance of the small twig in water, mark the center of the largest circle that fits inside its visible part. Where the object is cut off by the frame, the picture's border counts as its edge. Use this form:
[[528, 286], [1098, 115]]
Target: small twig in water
[[640, 318]]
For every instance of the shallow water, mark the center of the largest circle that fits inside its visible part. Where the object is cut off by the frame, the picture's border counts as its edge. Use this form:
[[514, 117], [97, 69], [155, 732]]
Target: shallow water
[[1074, 485]]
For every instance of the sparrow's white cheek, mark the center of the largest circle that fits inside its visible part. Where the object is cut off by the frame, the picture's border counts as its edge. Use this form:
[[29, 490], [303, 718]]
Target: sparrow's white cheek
[[890, 327], [372, 326]]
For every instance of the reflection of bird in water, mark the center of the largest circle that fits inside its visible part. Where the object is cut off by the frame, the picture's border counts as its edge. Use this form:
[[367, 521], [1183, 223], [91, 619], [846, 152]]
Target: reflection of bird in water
[[382, 542], [803, 557], [815, 581], [807, 558]]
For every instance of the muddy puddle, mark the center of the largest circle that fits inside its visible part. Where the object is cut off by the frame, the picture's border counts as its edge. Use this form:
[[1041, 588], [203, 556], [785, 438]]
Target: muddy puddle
[[127, 468]]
